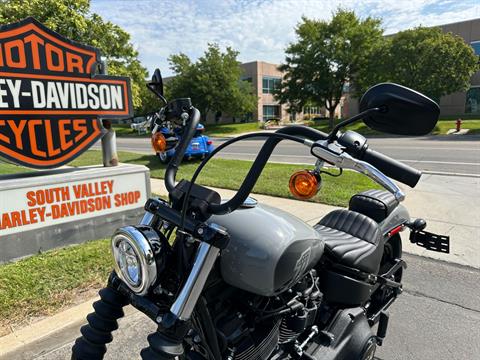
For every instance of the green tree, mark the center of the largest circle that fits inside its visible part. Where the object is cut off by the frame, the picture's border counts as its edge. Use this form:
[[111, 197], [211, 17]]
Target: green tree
[[74, 20], [430, 61], [326, 57], [213, 82]]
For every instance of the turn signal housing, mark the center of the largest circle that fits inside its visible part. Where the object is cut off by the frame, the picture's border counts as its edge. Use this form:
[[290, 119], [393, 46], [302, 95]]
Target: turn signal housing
[[304, 184], [159, 143]]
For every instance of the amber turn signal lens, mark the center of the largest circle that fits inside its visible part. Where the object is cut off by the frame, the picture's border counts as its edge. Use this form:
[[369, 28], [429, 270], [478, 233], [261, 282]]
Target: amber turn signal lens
[[159, 143], [304, 184]]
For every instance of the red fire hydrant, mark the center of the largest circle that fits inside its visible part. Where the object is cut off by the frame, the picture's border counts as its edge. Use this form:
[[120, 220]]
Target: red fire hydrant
[[459, 124]]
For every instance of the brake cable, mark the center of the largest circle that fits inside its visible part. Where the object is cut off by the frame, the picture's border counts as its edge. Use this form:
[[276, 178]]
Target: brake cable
[[332, 174]]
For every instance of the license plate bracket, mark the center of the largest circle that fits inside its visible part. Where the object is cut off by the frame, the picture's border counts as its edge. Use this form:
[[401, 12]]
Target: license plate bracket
[[431, 241]]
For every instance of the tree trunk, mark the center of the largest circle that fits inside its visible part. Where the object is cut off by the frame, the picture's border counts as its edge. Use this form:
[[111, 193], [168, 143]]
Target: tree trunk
[[330, 106], [203, 116], [331, 113], [331, 119]]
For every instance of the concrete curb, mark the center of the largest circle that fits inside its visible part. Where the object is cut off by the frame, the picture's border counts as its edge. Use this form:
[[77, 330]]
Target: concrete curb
[[444, 173], [48, 334], [36, 331]]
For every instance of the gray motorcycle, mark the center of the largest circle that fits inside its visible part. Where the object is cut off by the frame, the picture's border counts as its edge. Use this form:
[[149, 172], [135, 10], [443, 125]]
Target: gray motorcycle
[[235, 279]]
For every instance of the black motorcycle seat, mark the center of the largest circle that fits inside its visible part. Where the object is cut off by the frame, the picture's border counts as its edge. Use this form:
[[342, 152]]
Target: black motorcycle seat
[[376, 204], [352, 239]]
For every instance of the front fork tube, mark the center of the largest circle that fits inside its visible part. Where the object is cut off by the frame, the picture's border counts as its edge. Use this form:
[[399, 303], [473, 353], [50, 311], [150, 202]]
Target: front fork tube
[[167, 342], [205, 258]]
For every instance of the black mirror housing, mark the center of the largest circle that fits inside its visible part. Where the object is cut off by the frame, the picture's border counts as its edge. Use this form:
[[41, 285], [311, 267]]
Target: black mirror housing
[[157, 82], [402, 111]]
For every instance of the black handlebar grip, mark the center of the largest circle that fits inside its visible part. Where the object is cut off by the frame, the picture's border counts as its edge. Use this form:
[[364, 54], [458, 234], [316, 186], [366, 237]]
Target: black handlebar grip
[[392, 168]]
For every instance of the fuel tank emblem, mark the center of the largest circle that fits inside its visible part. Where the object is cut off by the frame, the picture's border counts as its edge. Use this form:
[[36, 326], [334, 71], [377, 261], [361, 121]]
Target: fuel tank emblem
[[302, 264]]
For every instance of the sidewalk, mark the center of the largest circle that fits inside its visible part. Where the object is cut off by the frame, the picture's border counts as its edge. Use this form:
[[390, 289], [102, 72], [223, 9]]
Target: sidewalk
[[449, 204]]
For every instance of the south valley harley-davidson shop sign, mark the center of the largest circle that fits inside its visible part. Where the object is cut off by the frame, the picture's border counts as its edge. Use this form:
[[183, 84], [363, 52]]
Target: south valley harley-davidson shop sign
[[50, 97]]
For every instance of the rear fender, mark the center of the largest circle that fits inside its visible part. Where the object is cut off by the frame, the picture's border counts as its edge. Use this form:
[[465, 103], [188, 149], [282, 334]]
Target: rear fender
[[397, 217]]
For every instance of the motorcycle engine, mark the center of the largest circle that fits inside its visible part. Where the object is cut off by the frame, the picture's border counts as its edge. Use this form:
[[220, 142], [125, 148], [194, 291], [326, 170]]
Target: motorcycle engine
[[255, 327]]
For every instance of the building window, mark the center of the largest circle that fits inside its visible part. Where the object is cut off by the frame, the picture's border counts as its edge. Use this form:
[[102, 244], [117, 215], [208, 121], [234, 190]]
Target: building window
[[247, 79], [271, 112], [472, 104], [270, 84], [476, 47], [311, 110]]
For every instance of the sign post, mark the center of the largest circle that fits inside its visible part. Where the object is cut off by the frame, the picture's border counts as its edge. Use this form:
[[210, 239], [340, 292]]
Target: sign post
[[54, 97]]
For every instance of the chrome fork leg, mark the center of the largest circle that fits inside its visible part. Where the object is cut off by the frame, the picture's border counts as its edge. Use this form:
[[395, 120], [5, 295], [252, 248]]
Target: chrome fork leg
[[147, 219], [187, 299]]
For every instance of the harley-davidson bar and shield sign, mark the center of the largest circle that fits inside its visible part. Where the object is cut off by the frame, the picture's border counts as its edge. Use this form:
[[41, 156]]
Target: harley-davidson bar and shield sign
[[50, 97]]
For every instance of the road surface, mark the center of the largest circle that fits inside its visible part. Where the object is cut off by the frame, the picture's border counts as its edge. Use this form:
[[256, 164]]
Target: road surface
[[436, 318], [438, 154]]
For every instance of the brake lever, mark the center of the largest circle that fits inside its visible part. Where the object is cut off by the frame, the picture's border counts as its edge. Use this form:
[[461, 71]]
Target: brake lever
[[334, 155]]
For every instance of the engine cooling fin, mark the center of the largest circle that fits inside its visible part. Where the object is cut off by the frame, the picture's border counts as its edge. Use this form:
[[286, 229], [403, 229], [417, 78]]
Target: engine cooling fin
[[268, 340]]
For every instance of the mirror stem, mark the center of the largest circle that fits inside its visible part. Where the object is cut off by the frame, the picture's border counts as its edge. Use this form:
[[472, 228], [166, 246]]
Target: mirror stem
[[333, 134], [151, 88]]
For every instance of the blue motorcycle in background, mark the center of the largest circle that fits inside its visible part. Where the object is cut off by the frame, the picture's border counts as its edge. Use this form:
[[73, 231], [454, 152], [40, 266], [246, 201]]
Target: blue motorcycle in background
[[199, 147], [166, 134]]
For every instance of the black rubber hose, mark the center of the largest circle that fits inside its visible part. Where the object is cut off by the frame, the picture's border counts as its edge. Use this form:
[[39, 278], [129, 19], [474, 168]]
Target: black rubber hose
[[259, 163], [101, 323]]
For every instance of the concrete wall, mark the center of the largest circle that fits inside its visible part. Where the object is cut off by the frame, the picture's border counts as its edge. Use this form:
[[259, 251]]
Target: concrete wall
[[16, 246], [454, 104]]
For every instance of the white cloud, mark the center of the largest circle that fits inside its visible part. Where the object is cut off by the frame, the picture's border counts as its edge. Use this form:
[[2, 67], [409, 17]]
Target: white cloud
[[258, 29]]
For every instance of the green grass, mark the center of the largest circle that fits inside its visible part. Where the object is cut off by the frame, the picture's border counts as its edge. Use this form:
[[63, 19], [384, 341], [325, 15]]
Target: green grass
[[44, 283], [444, 125], [7, 168], [124, 130], [441, 128], [229, 174], [230, 129]]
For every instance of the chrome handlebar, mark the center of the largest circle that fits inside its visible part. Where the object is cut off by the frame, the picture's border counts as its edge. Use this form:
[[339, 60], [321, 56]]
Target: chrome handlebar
[[332, 153]]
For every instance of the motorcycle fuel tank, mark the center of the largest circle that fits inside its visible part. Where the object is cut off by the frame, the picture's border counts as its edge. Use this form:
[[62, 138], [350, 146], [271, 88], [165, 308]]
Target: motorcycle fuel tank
[[269, 249]]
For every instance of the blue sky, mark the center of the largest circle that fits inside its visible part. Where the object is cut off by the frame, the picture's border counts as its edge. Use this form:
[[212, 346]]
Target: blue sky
[[259, 29]]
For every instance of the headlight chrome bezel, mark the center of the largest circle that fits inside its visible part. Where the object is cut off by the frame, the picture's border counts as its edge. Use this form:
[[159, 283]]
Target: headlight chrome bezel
[[139, 242]]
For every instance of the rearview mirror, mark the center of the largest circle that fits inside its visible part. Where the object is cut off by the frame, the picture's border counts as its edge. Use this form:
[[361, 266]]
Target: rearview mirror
[[403, 111], [157, 82]]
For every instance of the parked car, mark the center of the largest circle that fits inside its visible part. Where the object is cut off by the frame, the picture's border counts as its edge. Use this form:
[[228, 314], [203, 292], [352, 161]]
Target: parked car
[[141, 124]]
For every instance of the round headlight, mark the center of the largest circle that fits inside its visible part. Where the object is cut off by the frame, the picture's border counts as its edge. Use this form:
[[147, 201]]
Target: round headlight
[[134, 258]]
